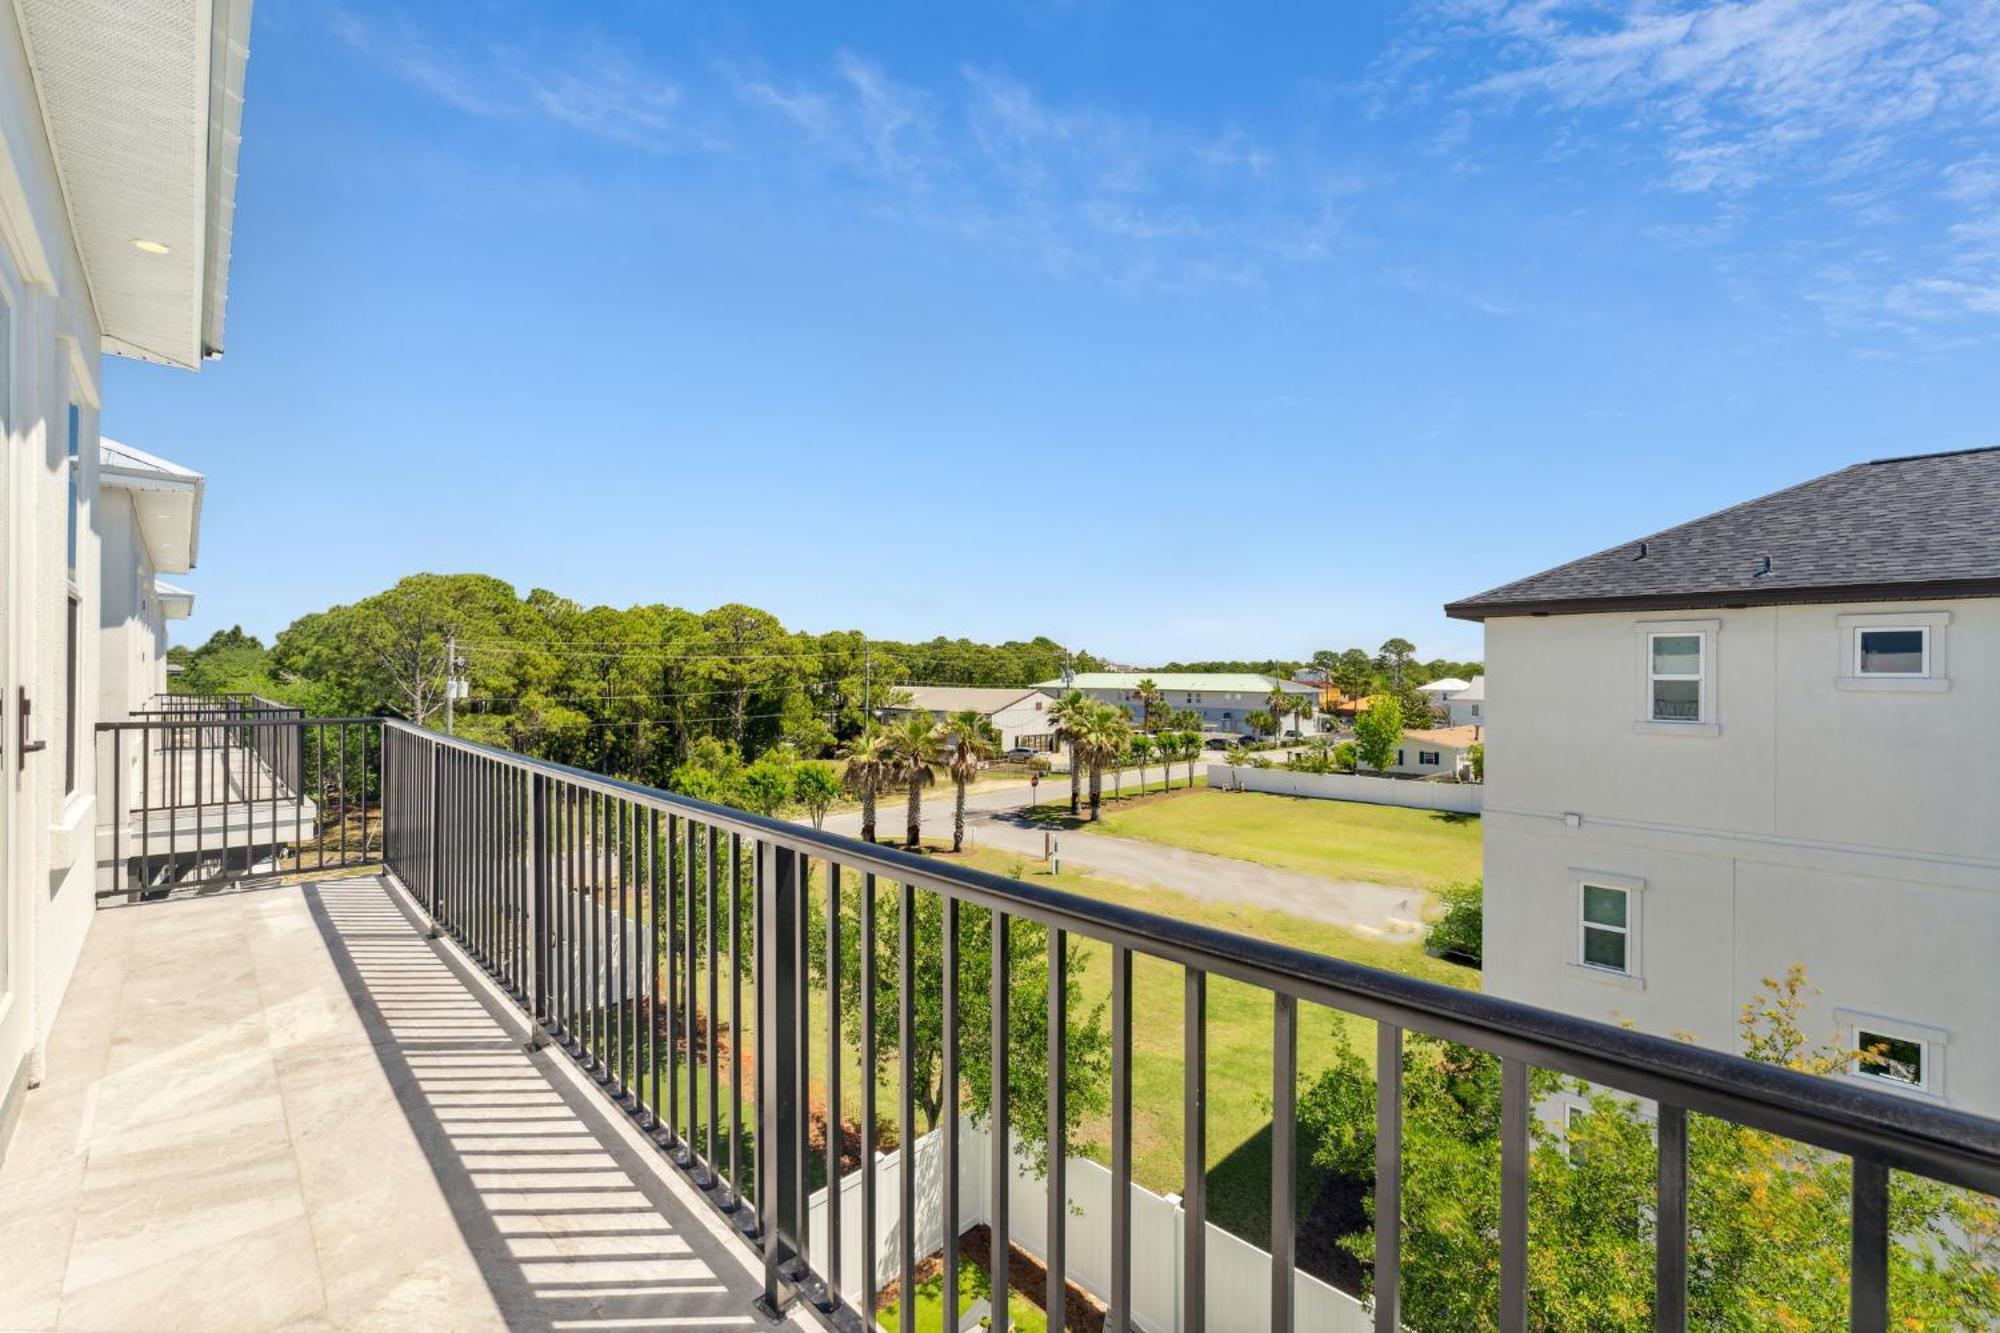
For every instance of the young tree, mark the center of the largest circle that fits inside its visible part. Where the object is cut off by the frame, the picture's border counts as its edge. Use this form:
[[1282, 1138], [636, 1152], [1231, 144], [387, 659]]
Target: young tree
[[815, 787], [1475, 755], [973, 740], [1768, 1224], [1261, 722], [916, 745], [867, 765], [1377, 732], [767, 784], [1068, 715], [1086, 1041], [1144, 747]]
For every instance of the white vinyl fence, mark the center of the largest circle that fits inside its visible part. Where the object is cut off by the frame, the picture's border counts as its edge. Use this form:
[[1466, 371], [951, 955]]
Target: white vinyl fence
[[1239, 1274], [1462, 798]]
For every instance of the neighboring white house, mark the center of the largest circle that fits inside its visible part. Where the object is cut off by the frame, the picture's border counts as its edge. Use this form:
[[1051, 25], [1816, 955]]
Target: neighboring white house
[[1223, 699], [1444, 689], [1468, 706], [1434, 752], [1021, 716], [118, 146], [150, 524], [1760, 739]]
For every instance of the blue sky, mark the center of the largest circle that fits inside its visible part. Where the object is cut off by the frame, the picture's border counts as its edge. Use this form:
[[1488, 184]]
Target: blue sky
[[1173, 331]]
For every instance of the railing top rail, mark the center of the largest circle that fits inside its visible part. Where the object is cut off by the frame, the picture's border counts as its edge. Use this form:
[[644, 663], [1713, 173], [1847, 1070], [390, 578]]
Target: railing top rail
[[1842, 1116], [288, 718]]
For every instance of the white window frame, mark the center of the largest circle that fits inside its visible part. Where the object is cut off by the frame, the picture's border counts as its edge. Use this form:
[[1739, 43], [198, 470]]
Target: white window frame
[[1933, 679], [1634, 890], [1930, 1041], [1707, 707], [1429, 758], [1923, 670]]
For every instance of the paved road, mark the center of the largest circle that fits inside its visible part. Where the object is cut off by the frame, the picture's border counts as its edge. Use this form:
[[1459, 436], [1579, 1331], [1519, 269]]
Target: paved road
[[993, 820]]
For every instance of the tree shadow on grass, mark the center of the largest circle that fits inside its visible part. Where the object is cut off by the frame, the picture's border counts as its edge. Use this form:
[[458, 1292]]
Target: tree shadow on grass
[[1328, 1207]]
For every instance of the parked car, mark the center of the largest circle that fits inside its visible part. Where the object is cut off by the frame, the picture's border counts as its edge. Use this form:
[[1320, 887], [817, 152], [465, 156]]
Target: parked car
[[1217, 743], [1291, 734], [1020, 754]]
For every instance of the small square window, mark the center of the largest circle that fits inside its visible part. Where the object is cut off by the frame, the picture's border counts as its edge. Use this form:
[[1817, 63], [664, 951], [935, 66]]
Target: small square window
[[1607, 928], [1892, 1059], [1892, 652], [1428, 757]]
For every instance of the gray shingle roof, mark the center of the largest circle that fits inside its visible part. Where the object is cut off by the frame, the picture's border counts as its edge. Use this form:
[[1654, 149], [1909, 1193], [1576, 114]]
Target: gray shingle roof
[[1921, 526]]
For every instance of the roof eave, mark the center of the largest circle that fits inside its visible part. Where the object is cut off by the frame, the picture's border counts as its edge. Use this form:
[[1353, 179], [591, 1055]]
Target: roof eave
[[1907, 591], [229, 54]]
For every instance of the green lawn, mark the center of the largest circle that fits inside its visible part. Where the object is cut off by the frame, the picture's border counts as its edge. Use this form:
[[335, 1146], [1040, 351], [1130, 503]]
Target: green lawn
[[1239, 1037], [1383, 844]]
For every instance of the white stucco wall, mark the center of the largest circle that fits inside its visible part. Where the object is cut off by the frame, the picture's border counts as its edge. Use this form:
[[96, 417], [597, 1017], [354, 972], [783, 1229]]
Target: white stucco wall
[[48, 899], [1846, 829]]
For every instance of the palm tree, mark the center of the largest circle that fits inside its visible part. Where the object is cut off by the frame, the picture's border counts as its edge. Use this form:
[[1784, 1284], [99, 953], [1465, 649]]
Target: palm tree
[[1151, 696], [1068, 716], [1280, 702], [867, 765], [1102, 736], [973, 740], [916, 744]]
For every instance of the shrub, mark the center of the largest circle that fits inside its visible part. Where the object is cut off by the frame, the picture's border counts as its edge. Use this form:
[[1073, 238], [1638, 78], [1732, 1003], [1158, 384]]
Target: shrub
[[1457, 932]]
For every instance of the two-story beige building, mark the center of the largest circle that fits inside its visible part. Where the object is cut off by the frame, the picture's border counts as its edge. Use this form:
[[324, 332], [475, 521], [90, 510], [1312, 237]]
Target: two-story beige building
[[1759, 739]]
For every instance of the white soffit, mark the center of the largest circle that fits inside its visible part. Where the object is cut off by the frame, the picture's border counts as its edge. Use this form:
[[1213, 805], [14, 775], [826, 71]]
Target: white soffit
[[166, 499], [143, 102], [176, 602]]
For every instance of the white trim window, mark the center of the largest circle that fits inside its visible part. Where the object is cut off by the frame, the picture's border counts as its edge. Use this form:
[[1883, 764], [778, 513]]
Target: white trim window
[[1676, 685], [1897, 651], [1893, 1054], [1606, 925], [1427, 758], [1893, 651]]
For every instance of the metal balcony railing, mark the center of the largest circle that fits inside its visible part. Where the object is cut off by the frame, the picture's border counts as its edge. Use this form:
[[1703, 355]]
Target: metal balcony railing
[[198, 791], [625, 921]]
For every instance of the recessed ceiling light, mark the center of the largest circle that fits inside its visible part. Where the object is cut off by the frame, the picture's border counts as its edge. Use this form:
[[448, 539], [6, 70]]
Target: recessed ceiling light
[[150, 247]]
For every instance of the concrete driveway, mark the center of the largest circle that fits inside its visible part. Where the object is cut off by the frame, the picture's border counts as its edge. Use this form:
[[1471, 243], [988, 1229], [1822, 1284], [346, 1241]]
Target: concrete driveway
[[993, 819]]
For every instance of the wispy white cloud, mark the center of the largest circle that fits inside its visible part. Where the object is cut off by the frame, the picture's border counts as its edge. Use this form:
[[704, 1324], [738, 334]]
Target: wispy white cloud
[[1807, 131], [586, 85]]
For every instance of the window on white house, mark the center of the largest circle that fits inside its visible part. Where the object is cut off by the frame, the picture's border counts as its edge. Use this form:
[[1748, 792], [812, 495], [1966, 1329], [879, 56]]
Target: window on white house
[[1475, 710], [1429, 757], [1674, 669], [1399, 759], [75, 482], [70, 721], [1890, 1058], [1893, 651], [1607, 928]]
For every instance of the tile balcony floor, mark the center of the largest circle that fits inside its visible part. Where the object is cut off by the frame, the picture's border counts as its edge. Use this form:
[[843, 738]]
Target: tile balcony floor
[[287, 1109]]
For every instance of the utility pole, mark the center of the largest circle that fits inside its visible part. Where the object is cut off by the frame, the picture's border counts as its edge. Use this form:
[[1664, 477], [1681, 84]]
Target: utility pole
[[453, 683], [867, 682]]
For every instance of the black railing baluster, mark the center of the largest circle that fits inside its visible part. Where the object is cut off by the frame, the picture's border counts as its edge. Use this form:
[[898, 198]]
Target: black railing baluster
[[1670, 1234], [1388, 1177], [1120, 1314], [1284, 1156], [1194, 1152], [867, 982], [736, 1019], [906, 1107], [779, 1116], [651, 1009], [1868, 1269], [948, 1210], [714, 987], [832, 1077], [538, 854], [1000, 1155], [672, 1015], [1058, 1135], [689, 972], [1513, 1195]]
